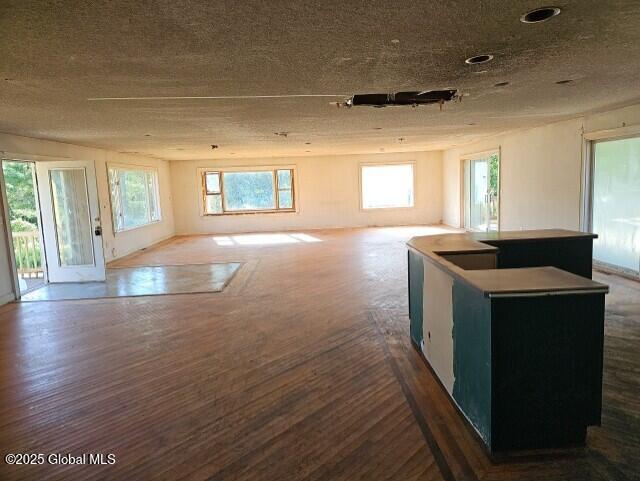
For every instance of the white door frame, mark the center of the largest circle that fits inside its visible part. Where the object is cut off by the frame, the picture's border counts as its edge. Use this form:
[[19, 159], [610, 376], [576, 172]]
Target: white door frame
[[589, 139], [588, 160], [6, 232], [476, 156], [59, 273], [9, 232]]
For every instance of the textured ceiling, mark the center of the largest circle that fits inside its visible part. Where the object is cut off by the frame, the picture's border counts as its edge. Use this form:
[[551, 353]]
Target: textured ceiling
[[55, 55]]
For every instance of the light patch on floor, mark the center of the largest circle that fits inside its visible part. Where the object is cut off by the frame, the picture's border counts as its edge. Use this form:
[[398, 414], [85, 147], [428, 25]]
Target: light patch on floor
[[143, 281], [264, 239]]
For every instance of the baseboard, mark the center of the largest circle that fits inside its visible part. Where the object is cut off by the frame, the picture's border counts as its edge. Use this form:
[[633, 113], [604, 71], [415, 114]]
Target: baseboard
[[609, 270], [135, 251], [6, 298], [272, 230]]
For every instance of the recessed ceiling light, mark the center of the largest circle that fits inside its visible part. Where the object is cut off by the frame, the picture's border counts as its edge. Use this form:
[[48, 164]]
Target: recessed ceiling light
[[501, 84], [562, 82], [540, 14], [476, 59]]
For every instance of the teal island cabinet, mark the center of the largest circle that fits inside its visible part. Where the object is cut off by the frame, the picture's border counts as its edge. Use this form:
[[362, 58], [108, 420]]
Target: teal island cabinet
[[513, 327]]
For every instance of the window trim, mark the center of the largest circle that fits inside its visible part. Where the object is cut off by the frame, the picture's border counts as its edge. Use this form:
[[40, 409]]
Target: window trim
[[134, 167], [203, 171], [413, 165]]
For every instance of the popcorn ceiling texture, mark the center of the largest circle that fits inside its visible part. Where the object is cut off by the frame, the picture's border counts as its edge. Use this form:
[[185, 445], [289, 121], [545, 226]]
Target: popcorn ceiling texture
[[57, 54]]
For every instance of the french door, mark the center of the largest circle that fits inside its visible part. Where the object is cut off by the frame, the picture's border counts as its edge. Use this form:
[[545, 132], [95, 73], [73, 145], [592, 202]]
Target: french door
[[71, 221]]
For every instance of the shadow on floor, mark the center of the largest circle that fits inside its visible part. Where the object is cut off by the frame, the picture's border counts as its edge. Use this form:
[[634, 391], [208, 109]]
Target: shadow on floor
[[143, 281]]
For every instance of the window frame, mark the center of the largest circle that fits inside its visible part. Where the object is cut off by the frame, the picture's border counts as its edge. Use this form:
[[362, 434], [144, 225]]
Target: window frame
[[158, 207], [361, 166], [203, 171]]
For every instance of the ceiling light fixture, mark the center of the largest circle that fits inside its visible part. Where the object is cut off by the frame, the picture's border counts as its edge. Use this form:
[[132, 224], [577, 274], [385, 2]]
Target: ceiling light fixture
[[541, 14], [478, 59]]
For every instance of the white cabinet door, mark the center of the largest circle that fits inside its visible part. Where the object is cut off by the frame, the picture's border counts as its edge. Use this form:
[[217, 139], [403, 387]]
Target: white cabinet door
[[71, 221]]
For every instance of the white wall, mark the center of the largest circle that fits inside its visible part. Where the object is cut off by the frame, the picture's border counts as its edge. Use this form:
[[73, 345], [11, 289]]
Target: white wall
[[540, 177], [327, 195], [541, 171], [115, 245]]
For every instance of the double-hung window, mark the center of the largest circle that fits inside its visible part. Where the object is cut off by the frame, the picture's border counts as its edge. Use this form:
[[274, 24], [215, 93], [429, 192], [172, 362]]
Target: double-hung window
[[134, 197], [248, 191]]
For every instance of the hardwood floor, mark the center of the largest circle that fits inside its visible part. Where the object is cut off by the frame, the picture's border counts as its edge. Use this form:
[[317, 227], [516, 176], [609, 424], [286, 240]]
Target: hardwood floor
[[301, 369]]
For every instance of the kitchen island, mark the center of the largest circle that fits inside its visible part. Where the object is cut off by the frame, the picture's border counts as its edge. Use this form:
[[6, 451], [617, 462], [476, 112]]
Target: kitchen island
[[513, 326]]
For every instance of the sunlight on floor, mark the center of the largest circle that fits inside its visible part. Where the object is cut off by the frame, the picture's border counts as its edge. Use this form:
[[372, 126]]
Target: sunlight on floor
[[411, 231], [264, 239]]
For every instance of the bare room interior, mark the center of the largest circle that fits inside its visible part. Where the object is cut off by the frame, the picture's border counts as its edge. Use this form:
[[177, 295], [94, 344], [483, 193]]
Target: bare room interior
[[320, 240]]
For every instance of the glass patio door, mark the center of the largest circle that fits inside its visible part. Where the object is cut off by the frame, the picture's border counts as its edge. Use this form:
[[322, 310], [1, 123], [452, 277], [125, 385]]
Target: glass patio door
[[616, 204], [71, 221], [481, 194]]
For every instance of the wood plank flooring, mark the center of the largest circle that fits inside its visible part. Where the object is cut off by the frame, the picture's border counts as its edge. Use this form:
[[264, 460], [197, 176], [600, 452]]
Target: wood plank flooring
[[300, 370]]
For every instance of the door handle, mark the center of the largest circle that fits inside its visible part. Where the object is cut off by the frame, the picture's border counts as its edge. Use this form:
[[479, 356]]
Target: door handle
[[98, 230]]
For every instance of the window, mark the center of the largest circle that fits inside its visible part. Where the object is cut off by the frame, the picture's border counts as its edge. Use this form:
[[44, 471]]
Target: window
[[134, 197], [248, 191], [387, 186]]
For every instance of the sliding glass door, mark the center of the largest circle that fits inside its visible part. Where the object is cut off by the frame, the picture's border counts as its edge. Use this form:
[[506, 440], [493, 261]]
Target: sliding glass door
[[481, 178], [616, 204]]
